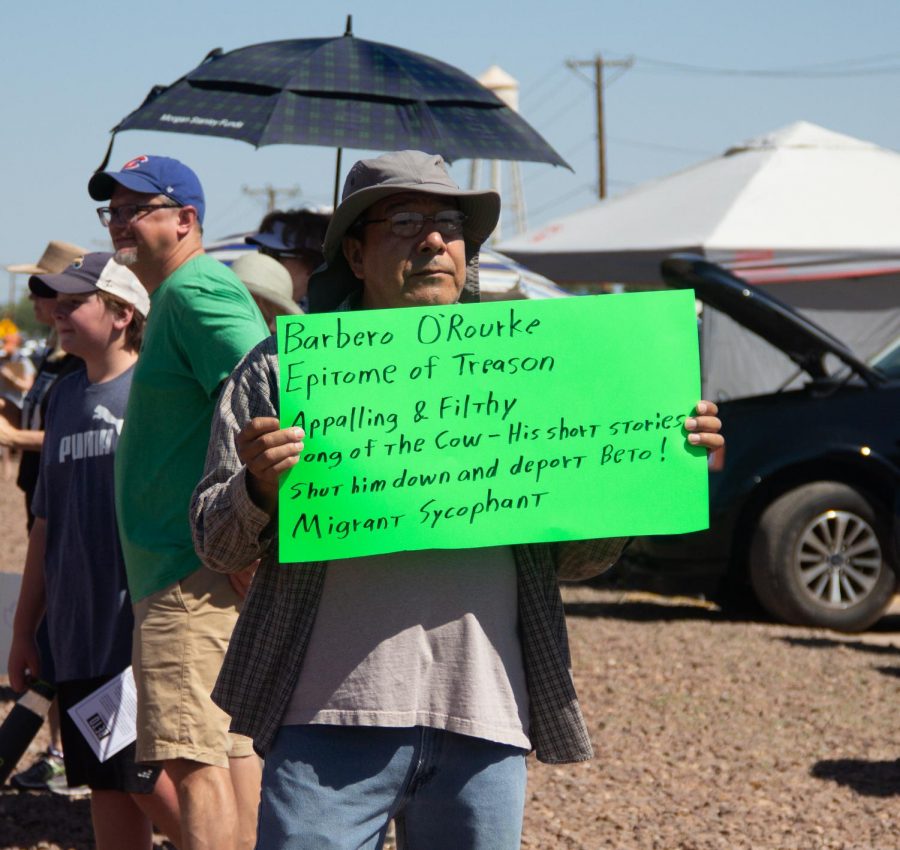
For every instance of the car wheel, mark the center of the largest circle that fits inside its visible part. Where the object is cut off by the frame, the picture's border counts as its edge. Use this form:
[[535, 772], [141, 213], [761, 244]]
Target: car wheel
[[819, 558]]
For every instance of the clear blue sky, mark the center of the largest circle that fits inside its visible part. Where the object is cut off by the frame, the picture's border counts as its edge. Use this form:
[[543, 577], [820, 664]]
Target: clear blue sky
[[70, 71]]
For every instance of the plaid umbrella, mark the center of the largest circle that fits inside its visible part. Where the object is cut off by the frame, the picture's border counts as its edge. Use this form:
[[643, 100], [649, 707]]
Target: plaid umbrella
[[340, 92]]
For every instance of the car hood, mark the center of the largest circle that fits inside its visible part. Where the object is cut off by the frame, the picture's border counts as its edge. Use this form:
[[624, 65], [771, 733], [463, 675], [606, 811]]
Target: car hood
[[803, 341]]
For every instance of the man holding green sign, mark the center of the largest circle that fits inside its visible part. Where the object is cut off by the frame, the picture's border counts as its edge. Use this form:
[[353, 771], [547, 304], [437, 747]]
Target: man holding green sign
[[403, 684]]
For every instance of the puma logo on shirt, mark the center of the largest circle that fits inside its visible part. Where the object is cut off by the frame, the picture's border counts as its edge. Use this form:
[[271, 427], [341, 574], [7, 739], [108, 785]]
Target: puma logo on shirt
[[104, 414], [93, 443]]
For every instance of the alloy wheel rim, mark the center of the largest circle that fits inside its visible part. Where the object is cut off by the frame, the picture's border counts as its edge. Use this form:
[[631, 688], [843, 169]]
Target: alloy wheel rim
[[838, 559]]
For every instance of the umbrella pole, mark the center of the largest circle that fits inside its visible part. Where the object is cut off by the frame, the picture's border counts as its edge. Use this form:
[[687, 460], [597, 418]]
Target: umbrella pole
[[102, 166], [337, 177]]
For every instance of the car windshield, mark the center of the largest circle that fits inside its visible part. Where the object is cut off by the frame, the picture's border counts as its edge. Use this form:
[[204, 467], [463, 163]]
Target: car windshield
[[888, 361]]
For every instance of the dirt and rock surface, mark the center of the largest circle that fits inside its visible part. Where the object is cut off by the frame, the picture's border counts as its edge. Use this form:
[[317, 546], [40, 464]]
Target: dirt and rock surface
[[712, 733]]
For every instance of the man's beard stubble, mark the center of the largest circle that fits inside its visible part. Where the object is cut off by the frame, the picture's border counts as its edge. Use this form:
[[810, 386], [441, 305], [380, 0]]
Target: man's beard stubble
[[126, 256]]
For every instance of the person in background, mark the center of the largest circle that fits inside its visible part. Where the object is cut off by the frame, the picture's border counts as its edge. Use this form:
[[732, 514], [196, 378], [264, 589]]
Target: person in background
[[202, 323], [16, 378], [23, 430], [269, 283], [16, 368], [294, 238], [74, 569]]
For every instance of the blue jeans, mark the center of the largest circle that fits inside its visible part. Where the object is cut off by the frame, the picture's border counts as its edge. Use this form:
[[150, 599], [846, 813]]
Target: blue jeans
[[336, 788]]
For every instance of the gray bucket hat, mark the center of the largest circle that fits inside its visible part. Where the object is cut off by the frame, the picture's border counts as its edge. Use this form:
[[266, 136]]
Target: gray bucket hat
[[368, 182], [266, 277]]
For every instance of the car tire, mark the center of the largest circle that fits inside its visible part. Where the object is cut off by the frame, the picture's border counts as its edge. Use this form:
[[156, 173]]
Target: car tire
[[819, 557]]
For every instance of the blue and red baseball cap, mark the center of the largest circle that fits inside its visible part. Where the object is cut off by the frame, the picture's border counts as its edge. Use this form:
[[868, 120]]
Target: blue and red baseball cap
[[155, 175]]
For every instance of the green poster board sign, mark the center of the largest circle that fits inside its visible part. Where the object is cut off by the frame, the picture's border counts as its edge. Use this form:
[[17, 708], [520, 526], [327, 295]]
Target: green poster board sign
[[489, 424]]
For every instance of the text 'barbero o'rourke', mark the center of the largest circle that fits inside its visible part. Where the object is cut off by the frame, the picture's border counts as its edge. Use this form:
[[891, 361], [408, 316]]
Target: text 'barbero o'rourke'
[[430, 329]]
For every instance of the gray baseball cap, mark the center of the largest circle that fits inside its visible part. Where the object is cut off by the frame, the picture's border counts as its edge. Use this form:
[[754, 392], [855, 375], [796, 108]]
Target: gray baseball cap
[[368, 182]]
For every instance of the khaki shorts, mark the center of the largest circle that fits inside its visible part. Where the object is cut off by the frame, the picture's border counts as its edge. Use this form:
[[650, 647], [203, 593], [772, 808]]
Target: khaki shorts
[[180, 637]]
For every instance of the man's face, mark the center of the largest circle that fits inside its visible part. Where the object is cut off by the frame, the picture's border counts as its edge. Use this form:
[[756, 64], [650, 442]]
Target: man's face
[[421, 270], [150, 236]]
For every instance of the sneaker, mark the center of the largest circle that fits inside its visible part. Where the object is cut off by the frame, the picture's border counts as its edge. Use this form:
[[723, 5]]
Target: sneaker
[[37, 777], [58, 785]]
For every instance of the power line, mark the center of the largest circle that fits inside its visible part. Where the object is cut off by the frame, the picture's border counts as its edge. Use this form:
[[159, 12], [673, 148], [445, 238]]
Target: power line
[[659, 146], [552, 98], [576, 148], [529, 93], [817, 71], [563, 110], [235, 216], [880, 57], [561, 198], [271, 193], [585, 187], [607, 80], [544, 173]]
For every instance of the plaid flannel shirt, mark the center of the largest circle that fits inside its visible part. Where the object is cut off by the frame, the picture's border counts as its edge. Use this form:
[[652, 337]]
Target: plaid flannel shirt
[[267, 647]]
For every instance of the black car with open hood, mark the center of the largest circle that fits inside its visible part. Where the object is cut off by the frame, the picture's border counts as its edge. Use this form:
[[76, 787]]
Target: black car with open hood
[[802, 499]]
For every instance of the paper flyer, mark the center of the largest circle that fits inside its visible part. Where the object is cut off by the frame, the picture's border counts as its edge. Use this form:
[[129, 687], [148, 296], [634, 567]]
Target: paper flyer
[[107, 717]]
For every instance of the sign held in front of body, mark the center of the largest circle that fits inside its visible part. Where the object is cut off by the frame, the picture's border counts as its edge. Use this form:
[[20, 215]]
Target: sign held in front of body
[[488, 424]]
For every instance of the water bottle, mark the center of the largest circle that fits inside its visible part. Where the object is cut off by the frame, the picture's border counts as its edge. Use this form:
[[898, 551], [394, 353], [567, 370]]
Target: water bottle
[[22, 724]]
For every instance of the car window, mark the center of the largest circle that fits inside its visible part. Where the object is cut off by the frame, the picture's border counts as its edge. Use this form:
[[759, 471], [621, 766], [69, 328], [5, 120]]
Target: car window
[[888, 362]]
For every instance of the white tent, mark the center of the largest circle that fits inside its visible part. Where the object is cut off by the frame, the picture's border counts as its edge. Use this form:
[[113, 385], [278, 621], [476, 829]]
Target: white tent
[[812, 215]]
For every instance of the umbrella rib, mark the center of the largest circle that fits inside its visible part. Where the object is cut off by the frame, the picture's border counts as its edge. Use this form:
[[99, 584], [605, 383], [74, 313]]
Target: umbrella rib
[[343, 95], [391, 99], [257, 89], [473, 104], [234, 86]]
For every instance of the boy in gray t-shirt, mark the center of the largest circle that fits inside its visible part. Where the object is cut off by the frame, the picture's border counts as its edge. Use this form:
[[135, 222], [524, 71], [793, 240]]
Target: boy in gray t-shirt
[[74, 567]]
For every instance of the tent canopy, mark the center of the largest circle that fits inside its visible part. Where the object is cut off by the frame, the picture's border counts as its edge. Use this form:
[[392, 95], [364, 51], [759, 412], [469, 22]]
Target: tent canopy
[[812, 213], [799, 203]]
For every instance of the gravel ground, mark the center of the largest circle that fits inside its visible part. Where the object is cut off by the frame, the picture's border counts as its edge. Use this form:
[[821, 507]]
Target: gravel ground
[[710, 733]]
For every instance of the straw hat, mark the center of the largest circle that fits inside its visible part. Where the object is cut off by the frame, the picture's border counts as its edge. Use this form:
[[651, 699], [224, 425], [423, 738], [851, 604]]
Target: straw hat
[[57, 256], [266, 278]]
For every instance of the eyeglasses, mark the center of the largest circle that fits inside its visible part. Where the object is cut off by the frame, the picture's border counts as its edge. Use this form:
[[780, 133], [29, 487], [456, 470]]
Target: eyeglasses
[[406, 224], [129, 212]]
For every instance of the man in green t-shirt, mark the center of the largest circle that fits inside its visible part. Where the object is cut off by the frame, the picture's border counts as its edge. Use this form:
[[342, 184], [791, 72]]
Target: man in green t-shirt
[[202, 321]]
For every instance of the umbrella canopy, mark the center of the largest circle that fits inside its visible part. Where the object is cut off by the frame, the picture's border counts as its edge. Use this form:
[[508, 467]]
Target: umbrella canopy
[[341, 92], [801, 203], [501, 278]]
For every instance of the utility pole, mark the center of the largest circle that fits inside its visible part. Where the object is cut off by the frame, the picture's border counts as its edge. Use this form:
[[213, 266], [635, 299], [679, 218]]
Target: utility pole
[[599, 64], [271, 194]]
